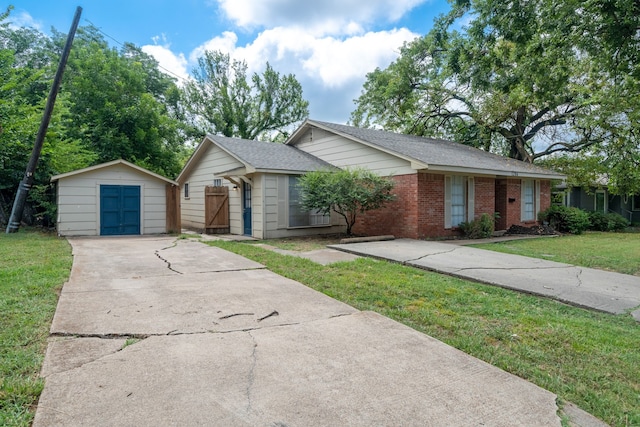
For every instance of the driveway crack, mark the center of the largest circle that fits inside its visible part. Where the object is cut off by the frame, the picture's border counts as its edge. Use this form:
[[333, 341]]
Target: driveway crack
[[428, 255], [166, 261], [578, 274], [252, 370]]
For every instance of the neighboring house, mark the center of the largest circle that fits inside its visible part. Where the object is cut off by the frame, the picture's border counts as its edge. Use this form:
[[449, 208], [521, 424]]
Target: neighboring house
[[116, 198], [439, 184], [597, 198]]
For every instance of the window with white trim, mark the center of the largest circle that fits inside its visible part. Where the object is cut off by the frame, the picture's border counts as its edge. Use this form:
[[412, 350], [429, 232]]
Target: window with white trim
[[528, 200], [186, 190], [458, 200], [299, 217], [217, 182]]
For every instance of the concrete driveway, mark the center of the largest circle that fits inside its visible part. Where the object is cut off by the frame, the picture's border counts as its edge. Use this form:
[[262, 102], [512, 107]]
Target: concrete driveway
[[156, 331], [606, 291]]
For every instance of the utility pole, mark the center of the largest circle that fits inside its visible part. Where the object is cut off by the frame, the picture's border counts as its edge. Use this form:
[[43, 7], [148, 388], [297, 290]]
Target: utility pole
[[27, 181]]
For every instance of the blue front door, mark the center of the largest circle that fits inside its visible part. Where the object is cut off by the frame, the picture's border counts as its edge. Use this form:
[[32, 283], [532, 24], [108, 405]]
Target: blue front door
[[119, 210], [246, 208]]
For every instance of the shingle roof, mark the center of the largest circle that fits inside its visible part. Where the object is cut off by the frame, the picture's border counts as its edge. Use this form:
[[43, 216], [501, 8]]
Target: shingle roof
[[108, 165], [270, 155], [436, 152]]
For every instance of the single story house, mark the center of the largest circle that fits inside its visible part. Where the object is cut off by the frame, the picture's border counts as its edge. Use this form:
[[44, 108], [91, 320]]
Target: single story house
[[439, 183], [116, 198], [598, 199]]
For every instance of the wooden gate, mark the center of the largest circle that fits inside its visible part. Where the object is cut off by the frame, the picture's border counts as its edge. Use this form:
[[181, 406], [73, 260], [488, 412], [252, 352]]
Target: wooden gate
[[216, 210]]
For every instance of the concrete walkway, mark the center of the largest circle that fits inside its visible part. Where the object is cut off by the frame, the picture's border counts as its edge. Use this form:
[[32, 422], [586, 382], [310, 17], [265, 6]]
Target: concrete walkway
[[584, 287], [155, 331]]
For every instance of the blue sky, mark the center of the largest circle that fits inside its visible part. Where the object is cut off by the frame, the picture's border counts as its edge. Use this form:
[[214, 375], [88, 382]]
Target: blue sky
[[330, 45]]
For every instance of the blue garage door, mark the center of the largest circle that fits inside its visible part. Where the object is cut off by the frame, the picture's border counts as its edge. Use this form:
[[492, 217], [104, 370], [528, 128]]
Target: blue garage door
[[119, 210]]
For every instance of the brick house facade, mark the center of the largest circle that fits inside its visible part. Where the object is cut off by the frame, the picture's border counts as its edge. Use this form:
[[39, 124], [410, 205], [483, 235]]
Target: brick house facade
[[418, 210], [439, 184]]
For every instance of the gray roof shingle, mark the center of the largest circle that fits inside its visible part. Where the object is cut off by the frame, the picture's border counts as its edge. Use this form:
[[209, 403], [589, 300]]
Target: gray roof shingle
[[270, 155], [436, 152]]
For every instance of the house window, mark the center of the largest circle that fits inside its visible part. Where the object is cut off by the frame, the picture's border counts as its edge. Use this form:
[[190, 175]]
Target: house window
[[299, 217], [528, 200], [217, 182], [600, 201], [186, 190], [635, 202], [458, 200]]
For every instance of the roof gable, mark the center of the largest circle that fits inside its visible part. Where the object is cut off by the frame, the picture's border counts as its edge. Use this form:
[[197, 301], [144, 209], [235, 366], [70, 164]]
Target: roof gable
[[257, 156], [111, 164], [436, 154]]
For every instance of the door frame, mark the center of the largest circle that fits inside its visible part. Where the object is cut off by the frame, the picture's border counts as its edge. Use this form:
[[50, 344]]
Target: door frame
[[247, 214], [140, 188]]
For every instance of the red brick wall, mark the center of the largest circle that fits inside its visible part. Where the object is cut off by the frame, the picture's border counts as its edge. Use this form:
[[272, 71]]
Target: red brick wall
[[545, 195], [399, 217], [509, 211], [431, 207], [418, 210], [485, 196]]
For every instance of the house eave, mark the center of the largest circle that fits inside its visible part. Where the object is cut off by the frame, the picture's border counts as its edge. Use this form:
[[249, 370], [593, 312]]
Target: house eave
[[494, 172], [109, 164]]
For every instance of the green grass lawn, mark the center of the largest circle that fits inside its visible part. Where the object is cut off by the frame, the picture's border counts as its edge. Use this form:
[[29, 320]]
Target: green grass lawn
[[33, 267], [607, 251], [591, 359]]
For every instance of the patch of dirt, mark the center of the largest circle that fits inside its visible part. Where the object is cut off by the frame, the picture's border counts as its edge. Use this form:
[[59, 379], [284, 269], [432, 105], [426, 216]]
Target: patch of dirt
[[535, 230]]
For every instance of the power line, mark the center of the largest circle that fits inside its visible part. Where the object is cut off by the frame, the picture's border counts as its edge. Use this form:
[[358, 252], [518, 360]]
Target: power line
[[137, 47]]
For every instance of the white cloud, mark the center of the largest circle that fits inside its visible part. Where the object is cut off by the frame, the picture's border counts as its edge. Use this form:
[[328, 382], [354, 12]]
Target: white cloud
[[24, 19], [225, 43], [324, 43], [330, 61], [331, 70], [319, 17], [175, 64]]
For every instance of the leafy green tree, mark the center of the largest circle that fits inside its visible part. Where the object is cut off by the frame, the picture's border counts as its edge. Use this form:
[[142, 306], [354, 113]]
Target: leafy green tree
[[347, 192], [112, 104], [120, 104], [222, 101], [520, 78], [26, 71]]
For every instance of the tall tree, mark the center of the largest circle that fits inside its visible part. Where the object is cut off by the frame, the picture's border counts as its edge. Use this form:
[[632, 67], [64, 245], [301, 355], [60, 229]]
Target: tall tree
[[112, 104], [120, 104], [525, 78], [223, 101], [27, 65]]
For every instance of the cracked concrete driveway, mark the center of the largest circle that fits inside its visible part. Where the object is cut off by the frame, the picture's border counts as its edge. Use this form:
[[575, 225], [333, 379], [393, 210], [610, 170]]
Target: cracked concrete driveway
[[584, 287], [153, 331]]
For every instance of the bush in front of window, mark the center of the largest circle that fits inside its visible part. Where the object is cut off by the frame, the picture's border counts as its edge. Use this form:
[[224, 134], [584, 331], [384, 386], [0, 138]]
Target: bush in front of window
[[607, 222], [480, 228], [566, 219]]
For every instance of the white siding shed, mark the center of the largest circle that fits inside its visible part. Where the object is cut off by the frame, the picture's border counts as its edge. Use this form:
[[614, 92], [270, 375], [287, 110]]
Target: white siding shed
[[115, 198]]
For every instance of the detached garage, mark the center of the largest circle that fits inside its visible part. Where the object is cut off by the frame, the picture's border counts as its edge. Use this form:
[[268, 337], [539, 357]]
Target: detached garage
[[116, 198]]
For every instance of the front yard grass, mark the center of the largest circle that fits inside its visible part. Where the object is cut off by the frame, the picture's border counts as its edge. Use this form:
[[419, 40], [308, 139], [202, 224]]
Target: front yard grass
[[607, 251], [33, 267], [591, 359]]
